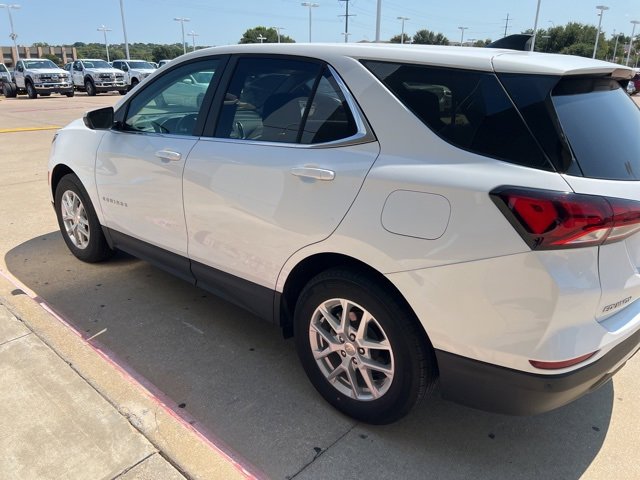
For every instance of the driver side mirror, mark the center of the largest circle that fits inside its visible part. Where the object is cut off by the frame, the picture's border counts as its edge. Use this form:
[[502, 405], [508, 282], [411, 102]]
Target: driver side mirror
[[101, 119]]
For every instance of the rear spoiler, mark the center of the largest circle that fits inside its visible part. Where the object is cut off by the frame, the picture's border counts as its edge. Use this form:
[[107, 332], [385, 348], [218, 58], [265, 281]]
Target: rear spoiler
[[519, 41]]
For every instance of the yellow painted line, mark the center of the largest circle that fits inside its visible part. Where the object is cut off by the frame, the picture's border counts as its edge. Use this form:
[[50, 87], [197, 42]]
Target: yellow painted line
[[29, 129]]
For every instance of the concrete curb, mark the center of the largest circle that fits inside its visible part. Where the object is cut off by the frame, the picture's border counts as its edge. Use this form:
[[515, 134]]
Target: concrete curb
[[186, 448]]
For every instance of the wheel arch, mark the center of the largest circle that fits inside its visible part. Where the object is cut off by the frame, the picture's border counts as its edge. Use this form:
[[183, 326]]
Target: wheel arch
[[315, 264], [58, 172]]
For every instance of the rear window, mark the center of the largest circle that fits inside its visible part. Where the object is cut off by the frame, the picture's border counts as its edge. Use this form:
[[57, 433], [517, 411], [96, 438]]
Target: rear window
[[602, 126], [468, 109]]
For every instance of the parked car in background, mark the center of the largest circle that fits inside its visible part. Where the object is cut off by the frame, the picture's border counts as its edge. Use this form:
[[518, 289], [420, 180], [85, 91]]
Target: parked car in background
[[408, 214], [163, 62], [134, 71], [38, 76], [633, 86], [97, 76]]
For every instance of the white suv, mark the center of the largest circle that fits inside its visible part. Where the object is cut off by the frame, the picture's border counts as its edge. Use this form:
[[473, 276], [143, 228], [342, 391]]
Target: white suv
[[407, 213]]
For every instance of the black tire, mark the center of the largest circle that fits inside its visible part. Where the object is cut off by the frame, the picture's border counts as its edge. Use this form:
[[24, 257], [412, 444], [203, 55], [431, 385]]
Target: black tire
[[7, 90], [70, 94], [414, 363], [14, 90], [90, 88], [97, 248], [122, 92], [134, 82], [31, 90]]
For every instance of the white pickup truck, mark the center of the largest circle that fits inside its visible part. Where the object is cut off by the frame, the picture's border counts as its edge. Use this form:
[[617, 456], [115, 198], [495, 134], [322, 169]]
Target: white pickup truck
[[97, 76], [38, 76], [135, 70]]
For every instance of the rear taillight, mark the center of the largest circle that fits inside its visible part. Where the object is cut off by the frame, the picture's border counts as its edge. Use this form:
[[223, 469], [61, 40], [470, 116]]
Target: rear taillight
[[549, 220]]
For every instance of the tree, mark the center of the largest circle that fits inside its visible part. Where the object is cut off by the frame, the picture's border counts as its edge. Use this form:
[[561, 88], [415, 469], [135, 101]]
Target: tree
[[427, 37], [482, 43], [398, 38], [40, 44], [270, 35], [166, 52], [53, 58]]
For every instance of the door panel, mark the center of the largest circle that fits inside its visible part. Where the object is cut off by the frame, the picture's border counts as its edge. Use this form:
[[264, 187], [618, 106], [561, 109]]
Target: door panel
[[247, 211]]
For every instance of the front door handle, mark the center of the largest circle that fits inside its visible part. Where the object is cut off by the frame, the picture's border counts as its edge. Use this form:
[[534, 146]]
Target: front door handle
[[313, 172], [169, 155]]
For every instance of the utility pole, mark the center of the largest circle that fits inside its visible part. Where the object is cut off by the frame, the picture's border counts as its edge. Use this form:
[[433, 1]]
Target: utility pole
[[261, 38], [182, 20], [378, 19], [346, 19], [462, 29], [104, 30], [311, 6], [506, 25], [277, 29], [602, 9], [13, 35], [124, 30], [193, 36], [402, 19], [535, 28]]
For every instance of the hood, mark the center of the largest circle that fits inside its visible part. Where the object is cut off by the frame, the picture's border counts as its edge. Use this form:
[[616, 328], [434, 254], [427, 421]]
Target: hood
[[103, 70], [40, 71]]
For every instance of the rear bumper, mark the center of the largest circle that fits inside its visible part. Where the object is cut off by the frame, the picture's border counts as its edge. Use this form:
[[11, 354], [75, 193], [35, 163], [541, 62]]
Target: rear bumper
[[502, 390]]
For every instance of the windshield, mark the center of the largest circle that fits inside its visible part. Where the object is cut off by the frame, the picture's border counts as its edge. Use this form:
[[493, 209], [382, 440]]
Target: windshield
[[32, 64], [95, 64], [602, 125], [141, 65], [3, 68]]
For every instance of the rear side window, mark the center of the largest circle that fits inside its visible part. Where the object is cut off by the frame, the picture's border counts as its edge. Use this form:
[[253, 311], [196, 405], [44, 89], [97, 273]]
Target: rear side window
[[466, 108], [284, 100], [602, 126]]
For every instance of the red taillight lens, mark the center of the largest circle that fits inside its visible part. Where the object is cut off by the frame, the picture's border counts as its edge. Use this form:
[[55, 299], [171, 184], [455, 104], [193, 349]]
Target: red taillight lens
[[562, 364], [549, 220]]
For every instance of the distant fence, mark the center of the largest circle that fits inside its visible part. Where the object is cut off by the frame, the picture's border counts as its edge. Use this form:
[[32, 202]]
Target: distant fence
[[9, 57]]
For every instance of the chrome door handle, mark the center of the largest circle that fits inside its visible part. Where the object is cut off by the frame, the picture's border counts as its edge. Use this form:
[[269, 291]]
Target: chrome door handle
[[168, 155], [315, 173]]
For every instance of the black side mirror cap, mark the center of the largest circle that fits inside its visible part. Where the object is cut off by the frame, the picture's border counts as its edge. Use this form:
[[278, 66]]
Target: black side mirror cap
[[101, 119]]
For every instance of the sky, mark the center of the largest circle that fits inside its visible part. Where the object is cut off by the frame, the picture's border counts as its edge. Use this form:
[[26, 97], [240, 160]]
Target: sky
[[219, 23]]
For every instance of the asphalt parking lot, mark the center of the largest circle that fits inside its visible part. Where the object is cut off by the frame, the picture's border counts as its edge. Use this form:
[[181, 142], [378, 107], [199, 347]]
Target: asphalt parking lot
[[240, 383]]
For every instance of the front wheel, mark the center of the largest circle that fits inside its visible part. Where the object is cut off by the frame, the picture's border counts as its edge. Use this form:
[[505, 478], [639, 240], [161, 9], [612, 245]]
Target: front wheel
[[31, 91], [78, 221], [361, 347], [90, 88], [122, 92], [70, 94]]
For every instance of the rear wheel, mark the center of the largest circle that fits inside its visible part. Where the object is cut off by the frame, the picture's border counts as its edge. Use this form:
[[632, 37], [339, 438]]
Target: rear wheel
[[90, 88], [9, 90], [31, 91], [361, 347], [78, 221]]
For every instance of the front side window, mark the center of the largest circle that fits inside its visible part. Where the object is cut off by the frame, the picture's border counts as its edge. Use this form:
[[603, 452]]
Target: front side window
[[3, 69], [466, 108], [96, 64], [171, 104], [141, 65]]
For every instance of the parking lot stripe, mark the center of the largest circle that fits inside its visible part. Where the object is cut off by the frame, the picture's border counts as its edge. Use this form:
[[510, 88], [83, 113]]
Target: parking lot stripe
[[29, 129]]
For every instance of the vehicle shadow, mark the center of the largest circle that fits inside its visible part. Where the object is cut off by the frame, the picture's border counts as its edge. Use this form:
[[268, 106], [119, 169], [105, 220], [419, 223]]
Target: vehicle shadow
[[237, 377]]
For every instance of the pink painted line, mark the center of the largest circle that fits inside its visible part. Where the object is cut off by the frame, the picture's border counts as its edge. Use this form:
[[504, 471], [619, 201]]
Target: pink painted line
[[148, 388]]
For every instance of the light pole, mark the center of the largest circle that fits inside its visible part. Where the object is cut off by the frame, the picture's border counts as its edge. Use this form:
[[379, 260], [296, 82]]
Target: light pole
[[615, 47], [277, 29], [13, 35], [462, 29], [104, 30], [602, 9], [311, 6], [633, 32], [193, 36], [378, 20], [535, 27], [124, 30], [182, 20], [403, 19]]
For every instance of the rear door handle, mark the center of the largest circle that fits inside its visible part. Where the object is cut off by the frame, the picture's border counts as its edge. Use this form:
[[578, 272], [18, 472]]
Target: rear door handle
[[168, 155], [315, 173]]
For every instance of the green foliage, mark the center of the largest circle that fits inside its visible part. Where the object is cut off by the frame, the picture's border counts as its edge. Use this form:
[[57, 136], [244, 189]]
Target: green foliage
[[573, 39], [54, 58], [482, 43], [140, 51], [270, 35], [398, 38], [167, 52], [40, 44], [427, 37]]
